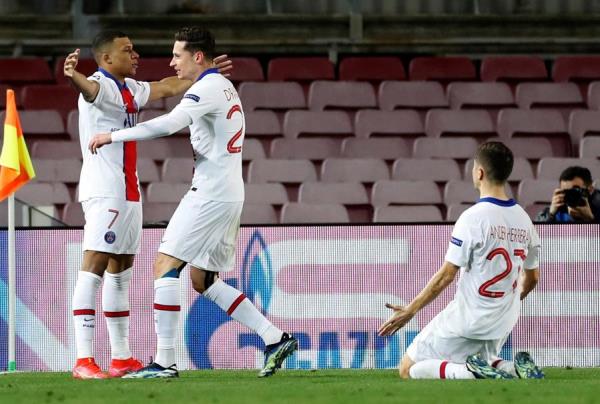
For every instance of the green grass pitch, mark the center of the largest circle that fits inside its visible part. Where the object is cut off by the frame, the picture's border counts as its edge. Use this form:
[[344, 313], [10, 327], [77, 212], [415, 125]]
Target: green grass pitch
[[296, 386]]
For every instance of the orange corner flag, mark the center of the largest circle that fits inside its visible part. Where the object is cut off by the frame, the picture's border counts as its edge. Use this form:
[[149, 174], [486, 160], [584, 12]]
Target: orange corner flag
[[15, 165]]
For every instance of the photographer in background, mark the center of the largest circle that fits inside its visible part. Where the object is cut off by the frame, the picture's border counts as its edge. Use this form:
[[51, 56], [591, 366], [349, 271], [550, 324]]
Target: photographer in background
[[576, 201]]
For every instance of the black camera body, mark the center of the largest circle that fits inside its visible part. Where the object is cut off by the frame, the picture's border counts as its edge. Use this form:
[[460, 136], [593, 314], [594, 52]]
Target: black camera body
[[575, 197]]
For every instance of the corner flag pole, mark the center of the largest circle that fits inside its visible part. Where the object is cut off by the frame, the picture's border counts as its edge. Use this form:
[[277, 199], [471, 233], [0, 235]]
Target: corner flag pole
[[12, 286]]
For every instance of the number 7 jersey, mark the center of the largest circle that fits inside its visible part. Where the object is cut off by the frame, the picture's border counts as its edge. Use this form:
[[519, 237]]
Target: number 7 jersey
[[492, 242]]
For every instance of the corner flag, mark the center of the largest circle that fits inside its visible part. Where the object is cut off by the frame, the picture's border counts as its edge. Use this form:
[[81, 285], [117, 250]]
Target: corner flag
[[15, 165]]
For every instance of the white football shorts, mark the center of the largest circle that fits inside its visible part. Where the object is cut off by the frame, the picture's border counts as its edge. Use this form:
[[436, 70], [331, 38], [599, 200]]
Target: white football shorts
[[203, 233], [433, 343], [112, 225]]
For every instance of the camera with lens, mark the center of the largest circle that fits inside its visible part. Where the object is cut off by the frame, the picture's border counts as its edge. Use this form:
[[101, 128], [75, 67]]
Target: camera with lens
[[575, 197]]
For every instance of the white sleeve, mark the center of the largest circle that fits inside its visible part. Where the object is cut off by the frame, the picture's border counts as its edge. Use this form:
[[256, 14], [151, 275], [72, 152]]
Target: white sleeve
[[163, 125], [466, 236], [194, 105], [533, 251], [98, 78], [140, 90]]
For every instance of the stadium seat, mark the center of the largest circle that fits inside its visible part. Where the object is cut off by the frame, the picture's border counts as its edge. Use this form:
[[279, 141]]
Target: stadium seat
[[154, 69], [177, 169], [405, 123], [425, 169], [246, 69], [300, 69], [454, 211], [311, 149], [73, 125], [158, 212], [294, 212], [451, 148], [252, 150], [513, 69], [167, 192], [270, 193], [72, 214], [47, 149], [589, 147], [529, 148], [411, 95], [147, 171], [565, 96], [316, 123], [3, 89], [44, 193], [171, 102], [284, 171], [373, 69], [549, 168], [46, 123], [583, 123], [20, 71], [521, 170], [85, 66], [262, 124], [407, 214], [576, 68], [340, 95], [345, 193], [536, 191], [593, 95], [443, 69], [48, 96], [387, 192], [545, 123], [480, 95], [163, 148], [57, 170], [253, 213], [379, 148], [354, 170], [440, 122], [458, 192], [275, 95]]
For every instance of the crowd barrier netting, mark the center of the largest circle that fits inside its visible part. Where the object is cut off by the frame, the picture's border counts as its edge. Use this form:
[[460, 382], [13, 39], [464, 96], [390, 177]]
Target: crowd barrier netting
[[325, 284]]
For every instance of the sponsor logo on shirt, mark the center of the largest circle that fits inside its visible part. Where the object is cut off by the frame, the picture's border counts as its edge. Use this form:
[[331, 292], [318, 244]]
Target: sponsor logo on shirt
[[110, 237], [192, 97], [456, 241]]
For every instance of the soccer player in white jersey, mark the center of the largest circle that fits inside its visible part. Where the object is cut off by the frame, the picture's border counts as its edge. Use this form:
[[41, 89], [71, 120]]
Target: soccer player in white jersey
[[204, 228], [496, 248], [110, 195]]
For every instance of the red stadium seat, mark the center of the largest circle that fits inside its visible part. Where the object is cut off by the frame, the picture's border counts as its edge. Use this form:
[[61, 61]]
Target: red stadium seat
[[246, 69], [379, 148], [424, 169], [480, 95], [576, 68], [43, 123], [177, 169], [454, 211], [407, 214], [44, 193], [451, 148], [458, 192], [167, 192], [386, 193], [354, 170], [300, 69], [345, 193], [73, 125], [85, 66], [48, 96], [271, 193], [443, 69], [284, 171], [20, 71], [552, 95], [316, 123], [293, 212], [590, 148], [154, 69], [529, 148], [158, 212], [147, 171], [440, 122], [46, 149], [252, 150], [374, 68], [536, 191], [253, 213], [513, 69], [262, 123], [593, 95], [58, 170], [3, 89], [411, 95], [583, 123], [73, 214], [163, 148], [550, 168], [371, 123], [311, 149], [341, 95], [276, 96]]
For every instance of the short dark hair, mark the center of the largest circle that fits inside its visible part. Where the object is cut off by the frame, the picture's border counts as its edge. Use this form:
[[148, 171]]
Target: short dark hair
[[496, 159], [570, 173], [106, 37], [197, 39]]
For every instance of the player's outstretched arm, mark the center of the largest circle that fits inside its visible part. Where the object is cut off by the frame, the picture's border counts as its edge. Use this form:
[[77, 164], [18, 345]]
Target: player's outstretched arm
[[531, 277], [403, 314], [89, 89]]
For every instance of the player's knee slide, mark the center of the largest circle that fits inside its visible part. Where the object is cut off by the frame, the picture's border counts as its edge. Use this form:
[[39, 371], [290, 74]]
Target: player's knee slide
[[174, 272]]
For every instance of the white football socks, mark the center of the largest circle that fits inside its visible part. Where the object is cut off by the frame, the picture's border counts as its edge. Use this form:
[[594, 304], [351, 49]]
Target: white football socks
[[236, 305], [166, 319], [115, 303], [84, 312], [507, 366], [438, 369]]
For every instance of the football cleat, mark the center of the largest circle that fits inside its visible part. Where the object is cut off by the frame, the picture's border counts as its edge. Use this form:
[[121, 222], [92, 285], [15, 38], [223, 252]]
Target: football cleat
[[86, 368], [120, 367], [526, 367], [483, 370], [153, 371], [275, 354]]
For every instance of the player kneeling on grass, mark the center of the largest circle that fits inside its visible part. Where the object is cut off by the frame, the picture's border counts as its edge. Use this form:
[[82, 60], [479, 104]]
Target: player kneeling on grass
[[491, 243]]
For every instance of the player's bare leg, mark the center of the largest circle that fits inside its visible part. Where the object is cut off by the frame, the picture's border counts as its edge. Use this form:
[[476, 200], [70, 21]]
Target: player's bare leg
[[404, 368]]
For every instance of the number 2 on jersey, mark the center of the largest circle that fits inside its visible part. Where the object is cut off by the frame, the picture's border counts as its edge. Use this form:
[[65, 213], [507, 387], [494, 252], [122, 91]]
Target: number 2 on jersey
[[484, 289], [230, 145]]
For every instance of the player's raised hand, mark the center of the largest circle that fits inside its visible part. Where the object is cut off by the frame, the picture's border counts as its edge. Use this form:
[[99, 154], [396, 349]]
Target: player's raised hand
[[71, 63], [98, 141], [224, 64], [396, 321]]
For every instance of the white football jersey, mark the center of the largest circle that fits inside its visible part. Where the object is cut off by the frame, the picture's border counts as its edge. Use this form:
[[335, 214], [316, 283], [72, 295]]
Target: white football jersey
[[492, 242], [112, 173], [217, 134]]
